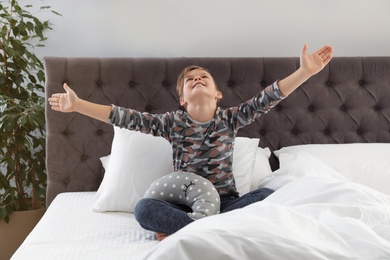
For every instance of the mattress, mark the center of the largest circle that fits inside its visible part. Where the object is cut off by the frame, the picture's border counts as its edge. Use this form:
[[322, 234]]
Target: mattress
[[70, 229]]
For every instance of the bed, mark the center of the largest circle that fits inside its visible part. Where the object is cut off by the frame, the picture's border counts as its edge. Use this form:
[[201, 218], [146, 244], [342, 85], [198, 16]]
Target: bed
[[325, 150]]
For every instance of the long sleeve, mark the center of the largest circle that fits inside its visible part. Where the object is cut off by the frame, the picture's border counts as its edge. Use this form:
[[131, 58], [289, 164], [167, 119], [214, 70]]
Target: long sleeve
[[155, 124], [247, 112]]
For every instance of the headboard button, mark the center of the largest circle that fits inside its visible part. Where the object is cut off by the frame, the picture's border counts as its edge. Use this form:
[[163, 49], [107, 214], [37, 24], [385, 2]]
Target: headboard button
[[83, 157], [311, 108], [343, 108], [99, 132], [326, 132], [294, 131], [359, 131], [377, 107], [263, 83], [262, 132], [278, 107], [328, 83], [230, 83], [362, 82], [148, 108], [165, 83], [131, 83], [99, 83]]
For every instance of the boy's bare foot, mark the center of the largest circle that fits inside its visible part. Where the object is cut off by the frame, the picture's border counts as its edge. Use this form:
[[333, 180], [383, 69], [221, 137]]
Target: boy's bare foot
[[161, 236]]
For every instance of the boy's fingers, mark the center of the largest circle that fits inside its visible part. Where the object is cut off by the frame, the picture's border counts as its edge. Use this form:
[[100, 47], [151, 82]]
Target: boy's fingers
[[328, 58], [325, 49], [66, 87], [304, 49]]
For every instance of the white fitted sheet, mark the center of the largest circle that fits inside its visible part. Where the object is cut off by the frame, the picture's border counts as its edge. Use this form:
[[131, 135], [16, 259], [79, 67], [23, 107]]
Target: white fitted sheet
[[71, 230]]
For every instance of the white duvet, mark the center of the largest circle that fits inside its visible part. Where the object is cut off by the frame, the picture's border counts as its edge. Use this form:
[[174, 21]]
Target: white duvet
[[315, 213]]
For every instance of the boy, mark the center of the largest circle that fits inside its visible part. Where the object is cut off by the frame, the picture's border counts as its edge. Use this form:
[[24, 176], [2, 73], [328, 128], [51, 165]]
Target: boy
[[201, 134]]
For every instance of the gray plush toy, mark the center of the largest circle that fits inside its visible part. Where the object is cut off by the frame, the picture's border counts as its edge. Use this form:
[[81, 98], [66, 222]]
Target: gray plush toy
[[189, 189]]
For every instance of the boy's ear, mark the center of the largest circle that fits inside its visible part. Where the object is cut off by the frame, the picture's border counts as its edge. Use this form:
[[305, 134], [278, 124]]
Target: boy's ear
[[219, 95], [183, 102]]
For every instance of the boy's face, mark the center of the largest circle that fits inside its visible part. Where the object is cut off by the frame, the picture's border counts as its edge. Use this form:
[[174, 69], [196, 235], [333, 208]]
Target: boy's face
[[199, 84]]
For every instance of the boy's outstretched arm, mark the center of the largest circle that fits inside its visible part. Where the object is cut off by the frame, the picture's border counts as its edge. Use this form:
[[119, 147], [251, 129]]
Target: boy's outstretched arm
[[70, 102], [310, 64]]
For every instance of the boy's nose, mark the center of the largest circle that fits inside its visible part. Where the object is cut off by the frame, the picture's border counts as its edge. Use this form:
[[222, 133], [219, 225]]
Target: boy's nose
[[197, 78]]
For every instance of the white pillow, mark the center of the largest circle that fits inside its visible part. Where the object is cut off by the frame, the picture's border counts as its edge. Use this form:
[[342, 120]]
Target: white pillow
[[301, 164], [262, 167], [364, 163], [137, 160], [244, 158]]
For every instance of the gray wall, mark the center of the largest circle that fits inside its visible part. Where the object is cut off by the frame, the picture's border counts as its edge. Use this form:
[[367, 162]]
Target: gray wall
[[230, 28]]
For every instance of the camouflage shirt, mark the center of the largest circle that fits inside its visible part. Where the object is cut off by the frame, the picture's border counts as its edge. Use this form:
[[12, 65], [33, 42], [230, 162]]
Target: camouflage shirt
[[204, 148]]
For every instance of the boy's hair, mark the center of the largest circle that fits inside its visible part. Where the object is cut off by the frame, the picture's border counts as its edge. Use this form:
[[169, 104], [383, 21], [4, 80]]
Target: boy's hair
[[184, 73]]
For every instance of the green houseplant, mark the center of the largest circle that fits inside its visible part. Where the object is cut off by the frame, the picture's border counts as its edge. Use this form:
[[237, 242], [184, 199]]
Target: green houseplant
[[22, 119]]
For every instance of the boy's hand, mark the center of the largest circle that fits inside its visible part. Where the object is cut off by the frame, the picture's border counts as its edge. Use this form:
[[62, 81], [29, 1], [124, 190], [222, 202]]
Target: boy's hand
[[310, 65], [316, 61], [64, 102]]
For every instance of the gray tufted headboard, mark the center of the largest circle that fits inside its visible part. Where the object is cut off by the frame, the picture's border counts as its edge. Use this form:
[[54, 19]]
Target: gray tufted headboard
[[349, 101]]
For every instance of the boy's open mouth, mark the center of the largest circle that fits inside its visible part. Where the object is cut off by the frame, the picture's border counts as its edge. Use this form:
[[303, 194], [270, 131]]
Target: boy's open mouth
[[199, 84]]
